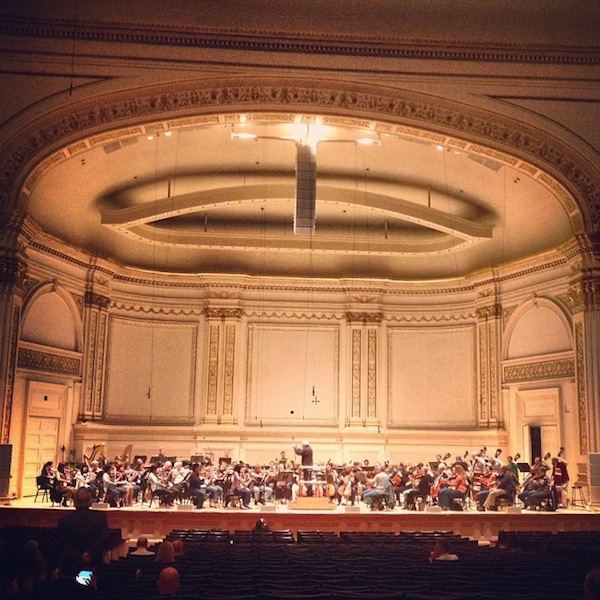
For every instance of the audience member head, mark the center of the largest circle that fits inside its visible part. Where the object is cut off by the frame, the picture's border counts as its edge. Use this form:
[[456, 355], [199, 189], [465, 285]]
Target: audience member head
[[177, 548], [165, 553], [591, 585], [142, 542], [168, 581], [82, 498]]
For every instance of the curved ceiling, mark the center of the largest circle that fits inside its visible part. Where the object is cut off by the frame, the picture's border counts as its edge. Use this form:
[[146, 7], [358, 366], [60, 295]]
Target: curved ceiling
[[221, 197]]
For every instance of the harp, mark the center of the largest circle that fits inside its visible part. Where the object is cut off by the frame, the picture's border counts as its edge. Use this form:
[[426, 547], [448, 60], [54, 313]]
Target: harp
[[126, 456], [98, 453]]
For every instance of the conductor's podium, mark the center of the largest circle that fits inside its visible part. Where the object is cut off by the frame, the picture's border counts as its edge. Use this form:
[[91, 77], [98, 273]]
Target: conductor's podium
[[318, 501]]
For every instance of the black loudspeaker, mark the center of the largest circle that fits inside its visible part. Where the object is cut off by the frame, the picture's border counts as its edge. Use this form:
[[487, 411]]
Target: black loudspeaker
[[5, 458]]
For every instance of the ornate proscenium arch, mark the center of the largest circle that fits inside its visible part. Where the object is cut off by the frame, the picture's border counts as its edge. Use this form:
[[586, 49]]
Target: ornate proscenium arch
[[570, 176]]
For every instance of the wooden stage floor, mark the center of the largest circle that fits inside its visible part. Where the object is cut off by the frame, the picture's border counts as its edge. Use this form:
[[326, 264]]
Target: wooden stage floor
[[157, 522]]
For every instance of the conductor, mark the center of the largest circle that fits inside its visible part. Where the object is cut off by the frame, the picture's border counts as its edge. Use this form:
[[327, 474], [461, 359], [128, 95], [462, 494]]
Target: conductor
[[306, 454]]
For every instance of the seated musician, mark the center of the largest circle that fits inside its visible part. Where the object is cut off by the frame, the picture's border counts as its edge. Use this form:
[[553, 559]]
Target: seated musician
[[283, 483], [504, 487], [380, 486], [178, 477], [158, 488], [109, 483], [196, 486], [47, 476], [64, 486], [539, 489], [400, 481], [259, 487], [440, 479], [457, 489], [421, 482], [240, 482]]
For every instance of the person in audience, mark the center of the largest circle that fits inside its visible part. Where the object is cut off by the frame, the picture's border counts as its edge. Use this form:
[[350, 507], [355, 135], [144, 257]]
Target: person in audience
[[141, 548], [441, 551], [591, 585], [168, 582], [67, 584], [261, 526], [84, 530], [165, 553], [33, 567], [178, 548]]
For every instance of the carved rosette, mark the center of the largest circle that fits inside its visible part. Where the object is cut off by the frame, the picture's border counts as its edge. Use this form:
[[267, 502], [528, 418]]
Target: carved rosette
[[581, 387]]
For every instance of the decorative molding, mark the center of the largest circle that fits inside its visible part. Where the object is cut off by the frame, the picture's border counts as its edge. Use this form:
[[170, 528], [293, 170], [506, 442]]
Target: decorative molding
[[413, 110], [157, 310], [493, 370], [372, 373], [356, 372], [223, 313], [213, 370], [549, 369], [51, 363], [11, 368], [13, 275], [229, 369], [99, 363], [96, 300], [581, 388], [306, 42], [90, 361], [489, 312], [483, 375], [363, 317]]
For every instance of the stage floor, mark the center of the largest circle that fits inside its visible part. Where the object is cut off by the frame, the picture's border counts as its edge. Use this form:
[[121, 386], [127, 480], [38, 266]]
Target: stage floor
[[157, 522]]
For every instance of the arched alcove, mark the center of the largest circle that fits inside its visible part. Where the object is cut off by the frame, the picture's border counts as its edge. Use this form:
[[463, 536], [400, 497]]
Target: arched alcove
[[50, 320], [537, 328]]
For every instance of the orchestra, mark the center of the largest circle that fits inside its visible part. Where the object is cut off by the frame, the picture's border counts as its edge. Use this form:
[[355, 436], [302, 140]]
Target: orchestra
[[474, 480]]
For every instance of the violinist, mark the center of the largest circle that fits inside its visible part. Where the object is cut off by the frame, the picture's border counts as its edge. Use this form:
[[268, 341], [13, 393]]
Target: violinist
[[400, 482], [421, 486], [505, 487], [261, 491], [440, 479], [456, 489], [47, 476], [63, 484]]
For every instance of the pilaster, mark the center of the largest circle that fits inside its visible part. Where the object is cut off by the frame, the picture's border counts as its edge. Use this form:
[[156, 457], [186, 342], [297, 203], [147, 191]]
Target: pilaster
[[222, 330]]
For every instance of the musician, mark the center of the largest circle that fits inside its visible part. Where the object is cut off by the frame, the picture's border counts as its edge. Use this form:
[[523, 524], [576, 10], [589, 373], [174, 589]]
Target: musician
[[306, 454], [158, 488], [536, 489], [560, 479], [457, 488], [240, 481], [110, 485], [259, 487], [197, 486], [505, 487], [47, 476], [380, 486], [178, 477], [400, 481], [63, 484], [511, 464], [283, 483], [421, 486], [440, 479]]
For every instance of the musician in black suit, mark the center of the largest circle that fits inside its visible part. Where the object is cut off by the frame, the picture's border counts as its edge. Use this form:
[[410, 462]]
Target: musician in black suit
[[84, 530]]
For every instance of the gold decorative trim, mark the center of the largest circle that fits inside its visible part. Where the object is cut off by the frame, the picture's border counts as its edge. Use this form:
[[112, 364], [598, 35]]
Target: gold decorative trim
[[96, 300], [549, 369], [581, 387], [356, 371], [372, 374], [10, 375], [231, 95], [223, 313], [51, 363], [229, 369], [213, 370], [483, 375], [301, 42], [489, 312], [363, 317]]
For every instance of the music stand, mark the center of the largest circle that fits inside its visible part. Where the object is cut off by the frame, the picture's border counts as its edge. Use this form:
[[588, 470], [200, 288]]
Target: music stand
[[225, 459], [154, 460], [141, 457], [434, 465], [197, 458], [523, 467]]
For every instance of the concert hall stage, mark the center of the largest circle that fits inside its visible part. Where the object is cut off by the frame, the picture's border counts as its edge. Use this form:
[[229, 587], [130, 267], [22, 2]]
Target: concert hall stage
[[157, 522]]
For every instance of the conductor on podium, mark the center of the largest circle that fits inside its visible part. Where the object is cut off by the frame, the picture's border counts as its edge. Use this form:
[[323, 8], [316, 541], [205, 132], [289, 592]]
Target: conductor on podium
[[306, 454]]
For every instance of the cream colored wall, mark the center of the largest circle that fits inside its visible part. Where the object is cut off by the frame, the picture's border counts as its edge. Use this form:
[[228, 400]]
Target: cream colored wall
[[398, 380]]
